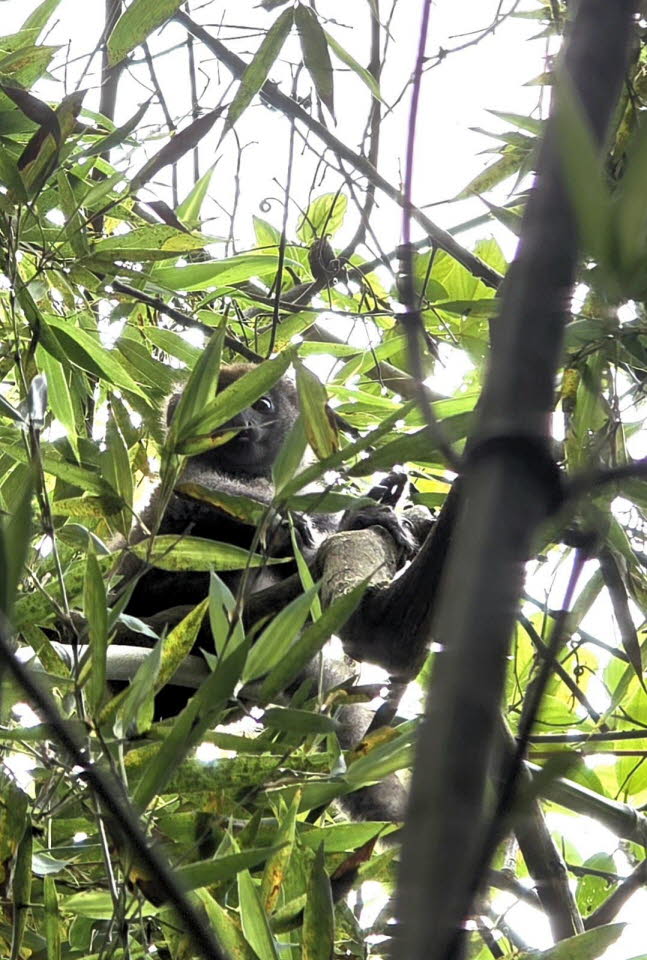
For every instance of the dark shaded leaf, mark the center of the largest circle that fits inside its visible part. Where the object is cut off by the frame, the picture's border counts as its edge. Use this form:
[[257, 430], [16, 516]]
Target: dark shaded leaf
[[316, 57], [178, 145]]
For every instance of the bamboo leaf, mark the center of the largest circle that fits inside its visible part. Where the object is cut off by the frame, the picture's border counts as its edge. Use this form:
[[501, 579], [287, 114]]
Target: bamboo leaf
[[256, 72], [314, 46], [136, 23]]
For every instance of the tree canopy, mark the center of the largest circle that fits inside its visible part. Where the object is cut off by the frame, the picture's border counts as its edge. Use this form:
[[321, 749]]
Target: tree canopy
[[186, 186]]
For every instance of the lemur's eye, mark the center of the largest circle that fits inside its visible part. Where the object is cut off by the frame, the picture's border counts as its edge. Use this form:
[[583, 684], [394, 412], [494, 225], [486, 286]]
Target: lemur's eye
[[264, 404]]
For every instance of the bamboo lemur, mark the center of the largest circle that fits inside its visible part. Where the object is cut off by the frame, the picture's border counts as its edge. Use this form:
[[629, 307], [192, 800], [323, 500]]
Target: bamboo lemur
[[242, 467]]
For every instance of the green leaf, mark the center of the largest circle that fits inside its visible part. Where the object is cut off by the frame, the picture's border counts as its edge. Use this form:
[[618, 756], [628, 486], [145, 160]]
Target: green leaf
[[313, 404], [254, 919], [318, 937], [226, 926], [189, 210], [88, 354], [323, 217], [242, 393], [243, 508], [136, 23], [53, 923], [115, 467], [266, 234], [53, 464], [96, 614], [278, 636], [277, 864], [316, 57], [200, 276], [193, 553], [135, 706], [199, 389], [207, 873], [15, 534], [365, 75], [257, 70], [116, 137], [38, 18], [149, 243], [584, 946], [496, 173], [290, 456], [311, 642], [299, 721], [21, 889], [629, 207], [583, 165]]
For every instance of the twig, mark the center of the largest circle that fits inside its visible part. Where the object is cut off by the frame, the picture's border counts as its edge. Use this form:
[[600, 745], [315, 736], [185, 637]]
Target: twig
[[271, 94]]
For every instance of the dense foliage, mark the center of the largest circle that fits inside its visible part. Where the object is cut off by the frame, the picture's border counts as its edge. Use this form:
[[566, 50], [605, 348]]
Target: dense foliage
[[115, 293]]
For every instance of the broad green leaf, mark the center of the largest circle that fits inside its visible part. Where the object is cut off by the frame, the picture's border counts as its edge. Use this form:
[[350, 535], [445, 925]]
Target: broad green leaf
[[135, 706], [385, 758], [496, 173], [115, 468], [278, 636], [345, 57], [15, 532], [226, 925], [323, 217], [313, 404], [254, 919], [11, 178], [57, 467], [311, 642], [314, 472], [243, 508], [174, 345], [299, 721], [207, 873], [21, 885], [74, 227], [413, 447], [199, 389], [149, 243], [629, 207], [136, 23], [290, 456], [256, 72], [318, 935], [53, 922], [95, 611], [88, 354], [242, 393], [314, 46], [193, 553], [266, 234], [200, 276]]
